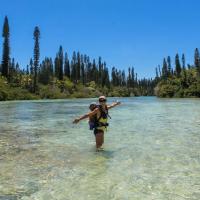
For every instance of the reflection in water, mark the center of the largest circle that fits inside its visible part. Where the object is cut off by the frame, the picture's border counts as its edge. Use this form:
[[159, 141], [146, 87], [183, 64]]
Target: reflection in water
[[151, 151]]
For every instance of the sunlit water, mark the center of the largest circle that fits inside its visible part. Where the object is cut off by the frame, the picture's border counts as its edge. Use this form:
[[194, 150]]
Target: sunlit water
[[152, 151]]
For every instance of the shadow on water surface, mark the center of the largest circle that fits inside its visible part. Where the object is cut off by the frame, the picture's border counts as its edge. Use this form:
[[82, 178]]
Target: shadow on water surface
[[105, 153]]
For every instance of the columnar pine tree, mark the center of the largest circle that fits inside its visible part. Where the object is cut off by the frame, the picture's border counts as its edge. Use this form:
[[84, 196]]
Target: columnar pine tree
[[6, 49], [102, 74], [60, 57], [36, 35], [57, 66], [136, 79], [177, 66], [164, 70], [27, 69], [46, 71], [113, 75], [169, 66], [183, 61], [132, 77], [157, 76], [74, 68], [78, 67], [184, 76], [31, 66], [89, 70], [159, 70], [12, 70], [123, 78], [17, 67], [73, 72], [100, 71], [94, 72], [86, 67], [106, 80], [67, 66], [197, 60], [82, 71], [129, 78], [51, 67]]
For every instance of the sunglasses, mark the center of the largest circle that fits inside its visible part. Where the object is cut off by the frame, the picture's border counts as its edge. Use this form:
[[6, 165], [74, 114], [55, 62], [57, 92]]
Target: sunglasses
[[102, 100]]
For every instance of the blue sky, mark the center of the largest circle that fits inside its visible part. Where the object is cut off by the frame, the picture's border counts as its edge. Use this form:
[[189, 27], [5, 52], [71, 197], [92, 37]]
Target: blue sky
[[124, 33]]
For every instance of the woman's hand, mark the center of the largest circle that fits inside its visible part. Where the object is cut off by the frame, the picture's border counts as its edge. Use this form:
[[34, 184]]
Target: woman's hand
[[90, 114], [76, 121], [118, 103], [114, 104]]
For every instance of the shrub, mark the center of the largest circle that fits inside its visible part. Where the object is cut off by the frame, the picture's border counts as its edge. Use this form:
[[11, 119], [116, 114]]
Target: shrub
[[51, 92]]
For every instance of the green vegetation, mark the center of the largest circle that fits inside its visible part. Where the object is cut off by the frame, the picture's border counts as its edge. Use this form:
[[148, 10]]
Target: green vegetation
[[59, 90], [180, 82], [64, 78], [8, 92], [81, 77]]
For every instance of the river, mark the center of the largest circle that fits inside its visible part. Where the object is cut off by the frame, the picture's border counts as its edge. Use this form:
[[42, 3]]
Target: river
[[151, 151]]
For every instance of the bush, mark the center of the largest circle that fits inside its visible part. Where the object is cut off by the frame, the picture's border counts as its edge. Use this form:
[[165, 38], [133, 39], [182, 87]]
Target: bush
[[21, 94], [68, 85], [119, 92], [3, 95], [51, 92], [192, 91], [16, 94], [165, 90], [91, 84]]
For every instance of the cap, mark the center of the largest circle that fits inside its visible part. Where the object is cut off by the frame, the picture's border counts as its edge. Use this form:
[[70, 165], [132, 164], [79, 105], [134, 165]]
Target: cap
[[102, 97]]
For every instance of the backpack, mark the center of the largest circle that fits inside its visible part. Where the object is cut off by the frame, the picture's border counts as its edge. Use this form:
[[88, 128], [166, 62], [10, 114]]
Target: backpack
[[94, 121]]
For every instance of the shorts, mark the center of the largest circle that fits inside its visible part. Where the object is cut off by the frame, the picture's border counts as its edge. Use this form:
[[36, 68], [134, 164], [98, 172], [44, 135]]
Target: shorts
[[96, 131]]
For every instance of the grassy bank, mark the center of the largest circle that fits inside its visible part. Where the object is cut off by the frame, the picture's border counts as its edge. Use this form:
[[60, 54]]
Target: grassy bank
[[59, 90]]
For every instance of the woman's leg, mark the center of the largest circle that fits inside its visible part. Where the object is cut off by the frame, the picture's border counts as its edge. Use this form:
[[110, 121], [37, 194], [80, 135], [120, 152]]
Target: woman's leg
[[99, 138]]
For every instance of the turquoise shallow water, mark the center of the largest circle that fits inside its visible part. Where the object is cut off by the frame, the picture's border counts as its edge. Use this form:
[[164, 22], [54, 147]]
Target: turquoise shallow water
[[152, 151]]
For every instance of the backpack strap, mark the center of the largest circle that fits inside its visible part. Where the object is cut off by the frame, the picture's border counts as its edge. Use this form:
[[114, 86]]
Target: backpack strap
[[100, 109], [107, 112], [101, 112]]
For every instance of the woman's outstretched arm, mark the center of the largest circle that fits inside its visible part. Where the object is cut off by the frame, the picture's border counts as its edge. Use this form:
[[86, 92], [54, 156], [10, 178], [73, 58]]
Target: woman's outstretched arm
[[113, 105], [90, 114]]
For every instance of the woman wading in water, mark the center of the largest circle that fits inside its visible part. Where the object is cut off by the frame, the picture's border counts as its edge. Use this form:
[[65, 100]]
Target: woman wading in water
[[98, 119]]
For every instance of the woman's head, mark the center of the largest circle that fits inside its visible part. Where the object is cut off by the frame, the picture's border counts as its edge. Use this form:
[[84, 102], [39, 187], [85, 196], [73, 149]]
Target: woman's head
[[102, 99]]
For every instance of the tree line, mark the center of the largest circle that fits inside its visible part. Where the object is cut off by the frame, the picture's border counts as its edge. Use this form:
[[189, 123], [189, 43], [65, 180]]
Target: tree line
[[180, 80], [80, 69]]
